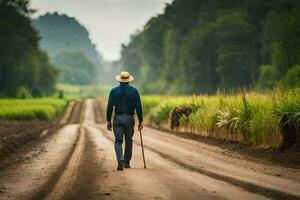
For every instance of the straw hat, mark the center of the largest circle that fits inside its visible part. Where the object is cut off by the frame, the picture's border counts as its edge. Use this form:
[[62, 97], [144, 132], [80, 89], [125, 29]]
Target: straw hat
[[124, 77]]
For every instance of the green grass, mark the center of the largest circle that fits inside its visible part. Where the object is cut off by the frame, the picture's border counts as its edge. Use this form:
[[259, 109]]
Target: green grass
[[253, 118], [149, 102], [83, 91], [31, 109], [288, 109]]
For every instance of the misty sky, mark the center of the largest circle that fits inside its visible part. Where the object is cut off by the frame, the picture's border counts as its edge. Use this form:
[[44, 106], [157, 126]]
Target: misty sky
[[110, 22]]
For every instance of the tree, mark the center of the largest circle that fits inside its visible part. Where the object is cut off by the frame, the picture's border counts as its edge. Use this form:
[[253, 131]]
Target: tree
[[200, 61], [281, 38], [237, 53], [268, 76], [21, 61], [132, 59], [75, 68], [292, 78]]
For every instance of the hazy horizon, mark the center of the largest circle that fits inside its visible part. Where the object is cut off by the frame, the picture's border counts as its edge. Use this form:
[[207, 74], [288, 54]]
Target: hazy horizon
[[109, 22]]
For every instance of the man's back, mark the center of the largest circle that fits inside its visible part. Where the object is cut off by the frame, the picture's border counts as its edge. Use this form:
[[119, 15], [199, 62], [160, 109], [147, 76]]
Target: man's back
[[125, 99]]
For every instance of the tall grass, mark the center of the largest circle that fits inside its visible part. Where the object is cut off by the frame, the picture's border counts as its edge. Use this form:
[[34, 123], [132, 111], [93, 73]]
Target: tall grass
[[288, 111], [150, 102], [31, 109], [253, 118]]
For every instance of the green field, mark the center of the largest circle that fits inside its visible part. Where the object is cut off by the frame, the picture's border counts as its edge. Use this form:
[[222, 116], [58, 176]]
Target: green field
[[82, 91], [31, 109], [264, 120]]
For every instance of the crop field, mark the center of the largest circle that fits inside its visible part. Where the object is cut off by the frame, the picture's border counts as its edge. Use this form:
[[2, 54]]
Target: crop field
[[264, 120], [82, 91], [31, 109]]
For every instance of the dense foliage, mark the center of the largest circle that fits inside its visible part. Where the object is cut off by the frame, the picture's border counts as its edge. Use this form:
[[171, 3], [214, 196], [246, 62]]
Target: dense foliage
[[200, 46], [24, 68], [257, 119], [31, 109], [70, 49]]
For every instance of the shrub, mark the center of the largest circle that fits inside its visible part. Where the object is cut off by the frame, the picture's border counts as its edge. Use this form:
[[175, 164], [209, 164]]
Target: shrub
[[268, 76], [23, 93], [292, 78]]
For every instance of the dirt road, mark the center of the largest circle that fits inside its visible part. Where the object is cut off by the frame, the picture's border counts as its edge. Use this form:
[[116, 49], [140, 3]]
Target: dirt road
[[78, 162]]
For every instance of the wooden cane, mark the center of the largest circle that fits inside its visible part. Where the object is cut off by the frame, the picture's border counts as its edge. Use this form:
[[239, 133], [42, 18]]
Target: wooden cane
[[143, 149]]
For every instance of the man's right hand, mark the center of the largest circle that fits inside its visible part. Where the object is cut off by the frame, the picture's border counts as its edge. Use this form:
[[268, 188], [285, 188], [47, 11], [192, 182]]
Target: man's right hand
[[108, 126]]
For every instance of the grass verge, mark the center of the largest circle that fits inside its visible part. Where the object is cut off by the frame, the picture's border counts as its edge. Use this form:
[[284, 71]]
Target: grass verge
[[31, 109]]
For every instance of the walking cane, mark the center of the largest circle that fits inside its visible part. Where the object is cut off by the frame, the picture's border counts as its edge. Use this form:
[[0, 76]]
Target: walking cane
[[143, 149]]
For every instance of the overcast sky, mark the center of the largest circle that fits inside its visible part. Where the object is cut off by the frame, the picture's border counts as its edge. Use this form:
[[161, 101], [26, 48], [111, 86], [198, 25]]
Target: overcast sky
[[110, 22]]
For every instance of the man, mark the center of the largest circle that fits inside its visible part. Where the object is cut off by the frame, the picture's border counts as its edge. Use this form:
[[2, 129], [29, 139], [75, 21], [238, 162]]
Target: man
[[125, 99]]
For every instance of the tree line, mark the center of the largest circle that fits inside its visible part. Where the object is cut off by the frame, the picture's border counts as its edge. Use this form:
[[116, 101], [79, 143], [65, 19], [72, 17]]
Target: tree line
[[24, 69], [202, 46], [70, 49]]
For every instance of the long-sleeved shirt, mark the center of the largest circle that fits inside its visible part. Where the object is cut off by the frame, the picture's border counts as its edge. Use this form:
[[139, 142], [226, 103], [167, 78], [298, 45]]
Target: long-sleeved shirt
[[125, 99]]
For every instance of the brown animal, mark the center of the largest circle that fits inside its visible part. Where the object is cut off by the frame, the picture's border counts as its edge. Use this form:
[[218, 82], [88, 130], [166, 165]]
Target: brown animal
[[177, 113]]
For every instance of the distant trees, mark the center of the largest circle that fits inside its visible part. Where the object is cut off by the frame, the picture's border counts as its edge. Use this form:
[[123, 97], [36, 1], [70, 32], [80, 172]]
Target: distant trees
[[24, 68], [237, 60], [200, 51], [200, 46], [292, 77], [75, 68], [70, 49]]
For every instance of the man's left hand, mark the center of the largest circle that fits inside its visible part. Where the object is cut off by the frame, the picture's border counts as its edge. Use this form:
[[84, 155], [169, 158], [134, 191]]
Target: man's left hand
[[109, 126], [140, 126]]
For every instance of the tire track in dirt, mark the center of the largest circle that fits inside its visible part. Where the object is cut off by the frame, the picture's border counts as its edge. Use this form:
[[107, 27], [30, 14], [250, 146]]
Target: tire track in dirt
[[89, 166], [74, 179], [61, 180], [82, 113], [55, 177], [66, 116], [75, 116], [46, 161], [98, 112], [24, 179], [212, 160], [84, 186], [250, 187]]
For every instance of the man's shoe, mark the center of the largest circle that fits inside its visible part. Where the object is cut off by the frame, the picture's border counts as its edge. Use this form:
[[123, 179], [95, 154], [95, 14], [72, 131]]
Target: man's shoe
[[126, 165], [120, 165]]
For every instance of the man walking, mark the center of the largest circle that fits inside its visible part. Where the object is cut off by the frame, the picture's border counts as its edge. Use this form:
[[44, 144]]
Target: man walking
[[125, 99]]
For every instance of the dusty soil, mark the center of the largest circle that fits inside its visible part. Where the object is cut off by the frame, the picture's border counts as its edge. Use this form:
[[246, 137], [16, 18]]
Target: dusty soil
[[78, 162], [16, 134], [289, 157]]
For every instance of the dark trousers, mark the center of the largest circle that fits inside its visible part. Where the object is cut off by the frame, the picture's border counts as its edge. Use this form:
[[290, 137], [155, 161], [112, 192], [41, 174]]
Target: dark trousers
[[123, 125]]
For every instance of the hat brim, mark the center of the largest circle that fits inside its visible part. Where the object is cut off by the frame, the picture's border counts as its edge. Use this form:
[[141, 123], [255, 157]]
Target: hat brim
[[122, 80]]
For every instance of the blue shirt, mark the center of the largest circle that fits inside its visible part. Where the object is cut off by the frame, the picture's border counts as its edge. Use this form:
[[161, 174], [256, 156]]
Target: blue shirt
[[125, 99]]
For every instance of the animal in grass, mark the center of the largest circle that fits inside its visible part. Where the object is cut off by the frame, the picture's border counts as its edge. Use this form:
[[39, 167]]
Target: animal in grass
[[179, 112]]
